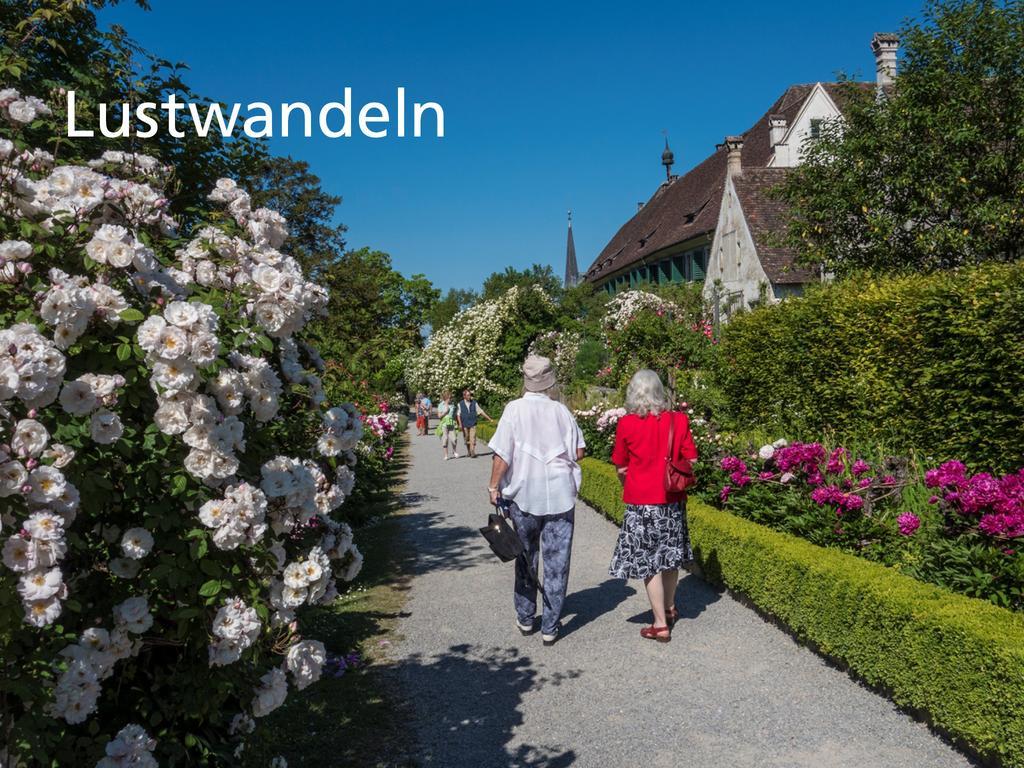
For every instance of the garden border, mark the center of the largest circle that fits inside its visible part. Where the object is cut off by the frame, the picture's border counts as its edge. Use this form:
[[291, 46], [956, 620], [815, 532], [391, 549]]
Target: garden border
[[957, 661]]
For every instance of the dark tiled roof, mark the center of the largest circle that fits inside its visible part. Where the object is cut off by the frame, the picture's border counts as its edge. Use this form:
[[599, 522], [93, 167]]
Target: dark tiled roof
[[766, 218], [688, 206]]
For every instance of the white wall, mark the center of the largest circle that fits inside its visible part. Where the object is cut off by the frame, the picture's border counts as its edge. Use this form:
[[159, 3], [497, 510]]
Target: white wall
[[733, 264], [817, 106]]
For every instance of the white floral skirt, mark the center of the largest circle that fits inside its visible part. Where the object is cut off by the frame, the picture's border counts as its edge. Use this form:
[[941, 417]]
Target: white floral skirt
[[654, 538]]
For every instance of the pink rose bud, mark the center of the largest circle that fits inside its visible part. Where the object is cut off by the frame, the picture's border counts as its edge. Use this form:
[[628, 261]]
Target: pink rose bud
[[26, 488], [32, 463], [33, 413], [24, 267]]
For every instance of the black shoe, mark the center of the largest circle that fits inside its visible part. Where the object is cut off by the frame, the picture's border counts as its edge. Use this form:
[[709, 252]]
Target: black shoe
[[526, 629]]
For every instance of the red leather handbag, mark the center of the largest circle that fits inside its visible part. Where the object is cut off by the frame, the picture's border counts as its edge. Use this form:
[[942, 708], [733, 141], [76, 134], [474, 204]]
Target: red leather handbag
[[678, 472]]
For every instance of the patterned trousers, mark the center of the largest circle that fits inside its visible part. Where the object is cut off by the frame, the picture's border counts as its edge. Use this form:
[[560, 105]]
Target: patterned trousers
[[549, 536]]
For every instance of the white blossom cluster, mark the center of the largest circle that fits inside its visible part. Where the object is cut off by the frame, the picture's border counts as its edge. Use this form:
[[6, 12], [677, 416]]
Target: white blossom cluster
[[562, 347], [91, 660], [71, 302], [343, 428], [31, 367], [95, 394], [131, 164], [14, 260], [304, 660], [468, 348], [75, 193], [626, 305], [236, 519], [131, 748], [21, 109], [281, 301], [236, 628], [35, 550]]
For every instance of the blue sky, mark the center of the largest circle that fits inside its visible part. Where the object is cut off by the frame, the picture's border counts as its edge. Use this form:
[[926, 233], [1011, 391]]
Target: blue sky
[[547, 106]]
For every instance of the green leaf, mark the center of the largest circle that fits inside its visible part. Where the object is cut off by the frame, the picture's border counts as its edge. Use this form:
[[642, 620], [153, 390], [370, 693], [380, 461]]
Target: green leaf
[[210, 588], [132, 315], [124, 351]]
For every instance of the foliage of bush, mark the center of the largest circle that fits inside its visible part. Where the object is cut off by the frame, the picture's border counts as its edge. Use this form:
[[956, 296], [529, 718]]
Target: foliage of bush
[[927, 363], [957, 659], [169, 466], [644, 330]]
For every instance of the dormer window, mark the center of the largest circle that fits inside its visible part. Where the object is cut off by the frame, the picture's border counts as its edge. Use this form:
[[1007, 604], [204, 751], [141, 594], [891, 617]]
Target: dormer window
[[816, 128]]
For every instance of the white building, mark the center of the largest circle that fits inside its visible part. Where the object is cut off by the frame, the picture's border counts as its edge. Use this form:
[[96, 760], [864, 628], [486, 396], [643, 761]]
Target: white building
[[748, 264]]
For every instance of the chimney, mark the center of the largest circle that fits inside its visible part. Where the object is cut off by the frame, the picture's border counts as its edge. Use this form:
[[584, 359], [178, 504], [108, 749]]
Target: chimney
[[639, 206], [777, 124], [734, 146], [884, 45]]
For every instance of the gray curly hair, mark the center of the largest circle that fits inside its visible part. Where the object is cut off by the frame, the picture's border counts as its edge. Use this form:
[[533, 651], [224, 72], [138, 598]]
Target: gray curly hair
[[646, 394]]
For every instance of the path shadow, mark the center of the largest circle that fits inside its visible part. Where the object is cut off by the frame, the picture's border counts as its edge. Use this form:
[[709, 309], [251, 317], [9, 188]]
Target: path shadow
[[589, 604], [693, 596], [470, 700], [439, 546]]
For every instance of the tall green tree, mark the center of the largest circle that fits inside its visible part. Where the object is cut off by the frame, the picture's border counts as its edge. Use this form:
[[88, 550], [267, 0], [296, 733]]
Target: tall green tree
[[931, 174], [288, 186], [374, 314], [456, 300], [538, 274]]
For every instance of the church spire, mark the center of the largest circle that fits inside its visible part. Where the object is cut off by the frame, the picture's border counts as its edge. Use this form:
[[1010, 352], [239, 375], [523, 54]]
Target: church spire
[[572, 272]]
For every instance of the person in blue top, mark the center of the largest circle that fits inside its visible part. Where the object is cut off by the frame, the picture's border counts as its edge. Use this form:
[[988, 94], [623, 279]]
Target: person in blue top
[[467, 414]]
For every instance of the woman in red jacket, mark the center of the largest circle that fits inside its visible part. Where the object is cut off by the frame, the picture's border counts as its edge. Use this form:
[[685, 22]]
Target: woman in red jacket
[[654, 541]]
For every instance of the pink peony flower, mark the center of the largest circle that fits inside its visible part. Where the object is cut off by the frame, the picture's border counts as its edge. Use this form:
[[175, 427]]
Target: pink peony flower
[[860, 467], [908, 523]]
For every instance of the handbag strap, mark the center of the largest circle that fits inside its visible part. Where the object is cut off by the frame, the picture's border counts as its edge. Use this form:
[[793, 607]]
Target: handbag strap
[[671, 436]]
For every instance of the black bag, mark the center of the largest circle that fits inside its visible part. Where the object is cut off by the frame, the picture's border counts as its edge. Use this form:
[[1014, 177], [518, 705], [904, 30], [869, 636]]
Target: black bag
[[506, 544], [502, 538]]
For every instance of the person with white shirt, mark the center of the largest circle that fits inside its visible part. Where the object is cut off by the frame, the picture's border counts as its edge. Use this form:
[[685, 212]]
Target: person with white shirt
[[535, 469]]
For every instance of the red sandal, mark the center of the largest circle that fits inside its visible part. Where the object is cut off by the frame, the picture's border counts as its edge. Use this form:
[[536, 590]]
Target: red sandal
[[661, 634]]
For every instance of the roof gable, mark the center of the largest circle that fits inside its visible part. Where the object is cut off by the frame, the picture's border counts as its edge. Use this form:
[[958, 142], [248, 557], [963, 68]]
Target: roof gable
[[688, 206]]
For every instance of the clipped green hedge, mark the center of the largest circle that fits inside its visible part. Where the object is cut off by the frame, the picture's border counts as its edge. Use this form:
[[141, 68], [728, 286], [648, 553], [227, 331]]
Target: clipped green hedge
[[957, 659], [924, 362]]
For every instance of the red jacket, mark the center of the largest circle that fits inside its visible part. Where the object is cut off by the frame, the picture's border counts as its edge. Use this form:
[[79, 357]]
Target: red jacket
[[641, 446]]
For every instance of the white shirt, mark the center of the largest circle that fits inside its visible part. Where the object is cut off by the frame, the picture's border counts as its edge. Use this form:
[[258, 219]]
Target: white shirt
[[538, 438]]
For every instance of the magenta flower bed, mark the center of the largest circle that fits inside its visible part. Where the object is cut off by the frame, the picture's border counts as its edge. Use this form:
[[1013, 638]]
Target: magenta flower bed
[[962, 534]]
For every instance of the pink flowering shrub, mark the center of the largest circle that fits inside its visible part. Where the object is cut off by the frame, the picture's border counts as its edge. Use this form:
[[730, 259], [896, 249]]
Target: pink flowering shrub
[[994, 505], [963, 540]]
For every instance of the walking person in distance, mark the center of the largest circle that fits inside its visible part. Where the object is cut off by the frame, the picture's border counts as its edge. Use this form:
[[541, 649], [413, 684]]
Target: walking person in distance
[[447, 425], [467, 414], [654, 541], [535, 471]]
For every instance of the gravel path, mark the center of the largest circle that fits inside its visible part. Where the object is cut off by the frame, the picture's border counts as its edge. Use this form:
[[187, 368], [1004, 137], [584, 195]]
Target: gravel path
[[730, 690]]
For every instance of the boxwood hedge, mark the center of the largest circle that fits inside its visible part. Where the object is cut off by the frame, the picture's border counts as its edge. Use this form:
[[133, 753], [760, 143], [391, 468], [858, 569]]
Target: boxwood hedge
[[933, 363], [958, 660]]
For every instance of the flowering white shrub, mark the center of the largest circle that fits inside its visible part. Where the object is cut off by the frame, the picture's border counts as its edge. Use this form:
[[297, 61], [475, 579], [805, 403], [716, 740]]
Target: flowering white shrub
[[468, 350], [168, 468], [562, 347], [626, 305]]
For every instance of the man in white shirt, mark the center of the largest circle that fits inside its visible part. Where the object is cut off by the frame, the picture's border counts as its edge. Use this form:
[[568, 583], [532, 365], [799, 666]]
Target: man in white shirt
[[537, 447]]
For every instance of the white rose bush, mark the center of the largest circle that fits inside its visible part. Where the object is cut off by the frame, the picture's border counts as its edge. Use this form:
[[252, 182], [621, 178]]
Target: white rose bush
[[483, 346], [170, 472]]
